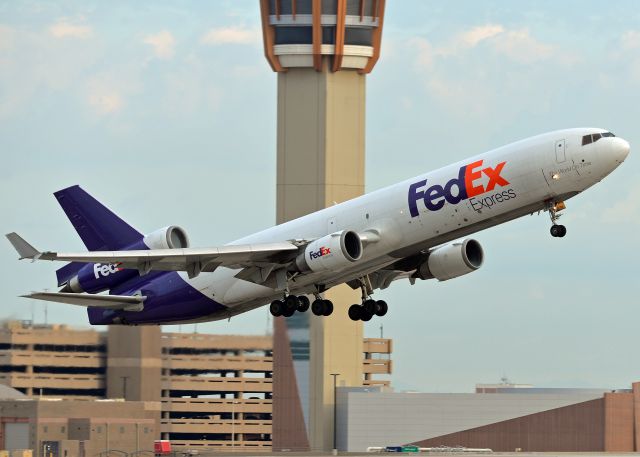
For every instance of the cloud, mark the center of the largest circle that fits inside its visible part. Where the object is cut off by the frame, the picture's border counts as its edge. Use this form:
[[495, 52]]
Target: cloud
[[106, 102], [231, 35], [630, 39], [426, 52], [163, 44], [481, 33], [64, 29], [520, 46]]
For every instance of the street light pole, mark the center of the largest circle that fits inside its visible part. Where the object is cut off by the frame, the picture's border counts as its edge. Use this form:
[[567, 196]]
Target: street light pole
[[335, 423]]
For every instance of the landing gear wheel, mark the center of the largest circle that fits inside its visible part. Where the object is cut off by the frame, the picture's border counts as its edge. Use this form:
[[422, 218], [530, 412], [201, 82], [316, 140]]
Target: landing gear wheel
[[303, 303], [291, 303], [366, 315], [382, 308], [370, 306], [276, 308], [355, 312], [328, 307], [288, 312], [317, 307], [558, 231]]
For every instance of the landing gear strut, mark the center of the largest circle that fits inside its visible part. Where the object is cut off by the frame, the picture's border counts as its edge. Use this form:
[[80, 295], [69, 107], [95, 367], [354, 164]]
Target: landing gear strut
[[557, 230]]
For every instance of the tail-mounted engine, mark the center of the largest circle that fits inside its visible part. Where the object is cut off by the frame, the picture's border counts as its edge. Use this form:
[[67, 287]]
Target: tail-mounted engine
[[172, 237], [452, 260], [96, 277], [332, 252]]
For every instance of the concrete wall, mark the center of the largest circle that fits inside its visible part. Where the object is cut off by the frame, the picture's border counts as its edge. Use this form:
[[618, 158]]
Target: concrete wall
[[368, 417]]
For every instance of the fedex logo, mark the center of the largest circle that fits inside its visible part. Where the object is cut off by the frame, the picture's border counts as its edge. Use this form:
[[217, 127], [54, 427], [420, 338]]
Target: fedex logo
[[465, 186], [104, 270], [320, 252]]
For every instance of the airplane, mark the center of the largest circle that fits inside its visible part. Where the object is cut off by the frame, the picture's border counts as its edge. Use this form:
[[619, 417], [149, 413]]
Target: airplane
[[412, 230]]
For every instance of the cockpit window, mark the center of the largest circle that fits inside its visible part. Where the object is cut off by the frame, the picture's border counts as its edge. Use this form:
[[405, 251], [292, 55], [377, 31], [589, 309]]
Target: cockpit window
[[588, 139]]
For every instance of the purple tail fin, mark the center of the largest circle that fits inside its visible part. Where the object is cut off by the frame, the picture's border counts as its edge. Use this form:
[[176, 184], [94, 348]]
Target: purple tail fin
[[99, 228]]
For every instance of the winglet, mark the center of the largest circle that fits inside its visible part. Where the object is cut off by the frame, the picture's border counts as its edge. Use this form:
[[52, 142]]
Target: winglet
[[25, 250]]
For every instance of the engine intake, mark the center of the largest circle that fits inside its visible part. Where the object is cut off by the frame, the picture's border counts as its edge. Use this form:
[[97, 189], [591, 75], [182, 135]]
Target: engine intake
[[332, 252], [452, 260], [172, 237]]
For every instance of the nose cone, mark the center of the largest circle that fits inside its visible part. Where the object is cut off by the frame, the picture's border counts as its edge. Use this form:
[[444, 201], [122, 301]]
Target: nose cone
[[619, 149]]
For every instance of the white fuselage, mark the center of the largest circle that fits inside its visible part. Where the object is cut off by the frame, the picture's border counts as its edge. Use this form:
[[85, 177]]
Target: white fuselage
[[414, 216]]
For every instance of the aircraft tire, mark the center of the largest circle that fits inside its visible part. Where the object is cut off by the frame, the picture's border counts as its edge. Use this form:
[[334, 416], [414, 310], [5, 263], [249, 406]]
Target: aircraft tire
[[276, 308], [288, 312], [327, 307], [563, 231], [317, 307], [303, 303], [555, 230], [370, 306], [355, 311], [382, 308], [366, 315], [291, 303]]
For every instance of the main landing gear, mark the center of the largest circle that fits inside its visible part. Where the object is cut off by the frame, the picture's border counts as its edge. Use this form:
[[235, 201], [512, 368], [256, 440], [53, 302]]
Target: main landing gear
[[293, 303], [557, 231], [369, 307], [367, 310]]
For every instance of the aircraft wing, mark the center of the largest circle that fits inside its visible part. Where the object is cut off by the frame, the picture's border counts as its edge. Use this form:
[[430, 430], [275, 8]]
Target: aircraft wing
[[125, 302], [191, 260]]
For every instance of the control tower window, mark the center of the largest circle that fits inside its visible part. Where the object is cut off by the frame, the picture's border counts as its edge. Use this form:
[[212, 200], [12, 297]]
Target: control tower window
[[329, 7], [293, 35], [328, 35], [358, 36]]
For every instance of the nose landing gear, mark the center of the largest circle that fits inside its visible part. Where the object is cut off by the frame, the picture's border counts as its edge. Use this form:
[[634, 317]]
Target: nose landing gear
[[557, 230]]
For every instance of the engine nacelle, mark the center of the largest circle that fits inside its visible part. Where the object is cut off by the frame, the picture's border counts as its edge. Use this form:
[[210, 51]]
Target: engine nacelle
[[172, 237], [452, 260], [97, 277], [332, 252]]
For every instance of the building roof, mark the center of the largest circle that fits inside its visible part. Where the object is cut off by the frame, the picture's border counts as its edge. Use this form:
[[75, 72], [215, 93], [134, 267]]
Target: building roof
[[8, 393]]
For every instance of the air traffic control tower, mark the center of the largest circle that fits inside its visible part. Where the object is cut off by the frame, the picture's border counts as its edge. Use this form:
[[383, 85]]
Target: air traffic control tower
[[322, 51]]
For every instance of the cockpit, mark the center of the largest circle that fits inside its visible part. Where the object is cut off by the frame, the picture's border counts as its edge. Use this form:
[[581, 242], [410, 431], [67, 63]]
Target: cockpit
[[588, 139]]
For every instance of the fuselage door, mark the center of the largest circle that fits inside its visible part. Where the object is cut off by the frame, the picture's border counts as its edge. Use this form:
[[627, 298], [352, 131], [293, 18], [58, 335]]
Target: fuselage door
[[561, 152]]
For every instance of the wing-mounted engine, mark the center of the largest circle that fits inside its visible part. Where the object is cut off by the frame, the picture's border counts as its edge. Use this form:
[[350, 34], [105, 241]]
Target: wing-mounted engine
[[332, 252], [97, 277], [451, 260]]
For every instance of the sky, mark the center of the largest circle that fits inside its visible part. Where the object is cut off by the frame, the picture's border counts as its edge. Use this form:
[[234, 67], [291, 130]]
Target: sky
[[166, 112]]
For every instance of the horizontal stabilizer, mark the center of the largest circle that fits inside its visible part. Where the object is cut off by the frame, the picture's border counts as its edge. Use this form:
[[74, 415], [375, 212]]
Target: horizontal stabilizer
[[124, 302], [25, 250]]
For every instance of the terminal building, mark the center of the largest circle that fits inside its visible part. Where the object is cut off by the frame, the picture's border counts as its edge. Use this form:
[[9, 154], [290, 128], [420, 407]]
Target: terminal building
[[207, 391]]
